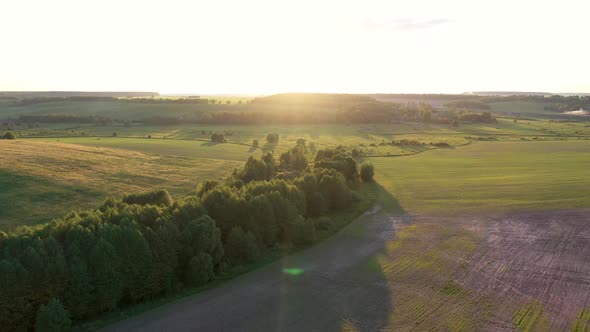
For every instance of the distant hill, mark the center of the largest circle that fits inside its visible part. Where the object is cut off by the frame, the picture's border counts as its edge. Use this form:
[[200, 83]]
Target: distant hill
[[64, 94], [524, 93]]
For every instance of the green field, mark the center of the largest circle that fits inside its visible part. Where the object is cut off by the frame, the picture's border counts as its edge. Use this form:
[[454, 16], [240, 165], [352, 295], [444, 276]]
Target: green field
[[524, 109], [508, 169], [445, 196], [490, 176]]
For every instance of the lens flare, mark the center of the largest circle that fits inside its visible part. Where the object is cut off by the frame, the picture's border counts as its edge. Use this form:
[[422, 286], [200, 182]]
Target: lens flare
[[293, 271]]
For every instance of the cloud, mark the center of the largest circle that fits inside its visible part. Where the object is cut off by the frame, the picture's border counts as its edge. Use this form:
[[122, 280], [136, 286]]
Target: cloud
[[404, 24]]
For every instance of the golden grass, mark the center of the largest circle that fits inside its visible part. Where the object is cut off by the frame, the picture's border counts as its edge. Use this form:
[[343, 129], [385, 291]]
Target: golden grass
[[81, 176]]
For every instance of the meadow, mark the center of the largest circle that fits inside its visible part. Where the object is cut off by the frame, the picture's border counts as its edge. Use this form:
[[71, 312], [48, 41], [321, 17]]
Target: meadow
[[490, 177], [82, 165], [439, 207], [47, 179]]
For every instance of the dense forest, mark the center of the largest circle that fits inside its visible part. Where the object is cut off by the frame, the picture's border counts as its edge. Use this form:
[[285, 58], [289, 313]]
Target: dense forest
[[144, 246]]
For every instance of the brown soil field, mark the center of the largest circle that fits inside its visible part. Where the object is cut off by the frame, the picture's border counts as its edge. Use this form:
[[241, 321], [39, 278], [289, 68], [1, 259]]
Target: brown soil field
[[538, 263], [387, 272]]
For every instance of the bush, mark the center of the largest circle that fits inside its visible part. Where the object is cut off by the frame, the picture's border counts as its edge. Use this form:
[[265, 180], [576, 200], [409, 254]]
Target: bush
[[218, 138], [156, 197], [255, 143], [367, 172], [323, 223], [272, 138], [52, 317], [9, 135]]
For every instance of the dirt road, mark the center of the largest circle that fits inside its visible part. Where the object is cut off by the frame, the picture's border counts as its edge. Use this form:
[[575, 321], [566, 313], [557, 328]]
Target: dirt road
[[331, 291], [386, 272]]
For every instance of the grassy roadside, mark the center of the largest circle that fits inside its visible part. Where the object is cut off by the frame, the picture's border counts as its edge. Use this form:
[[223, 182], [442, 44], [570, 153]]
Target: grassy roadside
[[368, 195]]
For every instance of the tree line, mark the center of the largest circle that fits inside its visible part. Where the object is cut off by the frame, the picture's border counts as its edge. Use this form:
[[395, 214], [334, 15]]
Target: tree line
[[144, 246], [281, 109]]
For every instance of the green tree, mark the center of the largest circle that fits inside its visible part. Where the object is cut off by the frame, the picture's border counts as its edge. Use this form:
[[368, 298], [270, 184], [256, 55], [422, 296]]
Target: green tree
[[106, 280], [9, 135], [272, 138], [78, 290], [262, 220], [301, 231], [367, 171], [52, 317], [218, 138], [334, 190], [241, 246], [200, 269], [155, 197]]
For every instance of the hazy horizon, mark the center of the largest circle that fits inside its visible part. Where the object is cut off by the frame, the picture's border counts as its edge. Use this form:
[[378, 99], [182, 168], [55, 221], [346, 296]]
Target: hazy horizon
[[266, 47]]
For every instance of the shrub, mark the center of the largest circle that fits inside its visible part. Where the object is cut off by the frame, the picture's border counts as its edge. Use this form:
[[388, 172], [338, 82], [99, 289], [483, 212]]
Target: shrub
[[218, 138], [53, 317], [323, 223], [156, 197], [272, 138], [9, 135], [255, 143], [367, 172]]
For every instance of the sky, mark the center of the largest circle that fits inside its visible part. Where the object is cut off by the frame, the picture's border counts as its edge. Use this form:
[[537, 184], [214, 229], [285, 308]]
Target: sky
[[271, 46]]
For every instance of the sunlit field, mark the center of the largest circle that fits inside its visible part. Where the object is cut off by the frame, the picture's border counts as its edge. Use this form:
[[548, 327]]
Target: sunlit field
[[449, 202], [490, 177]]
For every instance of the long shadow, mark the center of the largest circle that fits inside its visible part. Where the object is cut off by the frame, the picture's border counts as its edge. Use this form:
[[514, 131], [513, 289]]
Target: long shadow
[[339, 283], [210, 143], [334, 285]]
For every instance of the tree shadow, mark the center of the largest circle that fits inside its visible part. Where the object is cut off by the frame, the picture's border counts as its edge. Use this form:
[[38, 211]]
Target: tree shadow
[[210, 143], [335, 285], [252, 149], [339, 283]]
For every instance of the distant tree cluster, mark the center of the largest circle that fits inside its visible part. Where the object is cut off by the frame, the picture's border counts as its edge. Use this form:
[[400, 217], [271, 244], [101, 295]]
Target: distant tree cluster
[[485, 117], [272, 138], [218, 138], [8, 135], [61, 118], [145, 246], [142, 100], [367, 172]]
